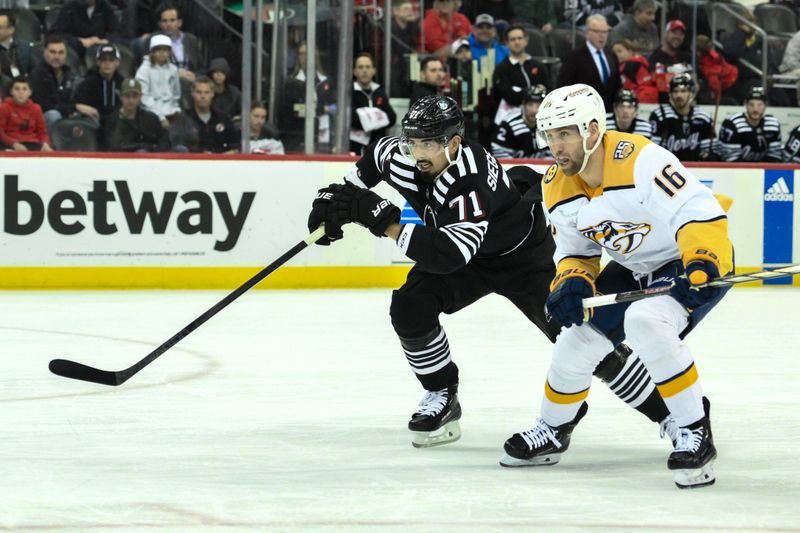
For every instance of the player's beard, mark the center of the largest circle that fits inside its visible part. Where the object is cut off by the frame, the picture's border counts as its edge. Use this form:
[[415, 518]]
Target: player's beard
[[429, 174], [755, 117]]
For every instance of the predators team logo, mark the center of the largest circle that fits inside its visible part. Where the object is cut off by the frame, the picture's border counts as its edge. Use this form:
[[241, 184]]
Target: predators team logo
[[621, 237], [550, 173], [624, 150]]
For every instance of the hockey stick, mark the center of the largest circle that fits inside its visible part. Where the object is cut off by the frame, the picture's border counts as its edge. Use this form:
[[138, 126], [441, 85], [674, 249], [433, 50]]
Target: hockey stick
[[73, 370], [632, 296]]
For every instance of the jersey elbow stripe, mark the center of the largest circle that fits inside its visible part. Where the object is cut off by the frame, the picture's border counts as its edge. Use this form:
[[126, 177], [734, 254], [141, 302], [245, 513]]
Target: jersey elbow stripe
[[564, 397], [678, 383]]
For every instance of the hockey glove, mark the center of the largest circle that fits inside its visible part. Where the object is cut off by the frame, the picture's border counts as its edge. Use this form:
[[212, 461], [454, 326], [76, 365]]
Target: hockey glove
[[364, 207], [321, 213], [685, 289], [565, 303]]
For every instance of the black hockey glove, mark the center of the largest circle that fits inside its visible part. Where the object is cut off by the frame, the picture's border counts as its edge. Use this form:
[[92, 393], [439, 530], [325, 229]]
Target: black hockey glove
[[321, 213], [685, 290], [364, 207], [565, 303]]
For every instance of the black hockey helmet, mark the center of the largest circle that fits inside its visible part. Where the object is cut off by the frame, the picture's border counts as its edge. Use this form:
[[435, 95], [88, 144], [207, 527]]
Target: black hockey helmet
[[433, 117], [534, 94], [626, 96], [756, 92], [683, 80]]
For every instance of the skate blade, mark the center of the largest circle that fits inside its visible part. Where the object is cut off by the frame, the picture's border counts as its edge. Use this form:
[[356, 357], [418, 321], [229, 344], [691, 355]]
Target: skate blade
[[694, 478], [544, 460], [446, 434]]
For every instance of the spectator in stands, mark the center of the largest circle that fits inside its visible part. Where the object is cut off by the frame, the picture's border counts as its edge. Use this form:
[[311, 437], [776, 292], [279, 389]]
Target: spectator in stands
[[431, 77], [499, 9], [185, 46], [208, 132], [227, 98], [405, 39], [516, 73], [542, 13], [161, 90], [53, 82], [371, 112], [791, 151], [791, 56], [16, 57], [293, 106], [22, 125], [442, 24], [751, 136], [638, 27], [580, 11], [516, 134], [461, 50], [483, 38], [592, 64], [264, 139], [133, 129], [97, 96], [634, 72], [663, 61], [718, 74], [625, 116], [86, 23]]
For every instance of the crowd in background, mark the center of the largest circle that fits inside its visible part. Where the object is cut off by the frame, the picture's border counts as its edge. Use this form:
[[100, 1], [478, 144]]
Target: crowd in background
[[156, 88]]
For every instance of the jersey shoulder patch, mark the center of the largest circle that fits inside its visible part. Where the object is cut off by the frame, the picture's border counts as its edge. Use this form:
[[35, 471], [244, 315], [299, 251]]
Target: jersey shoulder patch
[[621, 152]]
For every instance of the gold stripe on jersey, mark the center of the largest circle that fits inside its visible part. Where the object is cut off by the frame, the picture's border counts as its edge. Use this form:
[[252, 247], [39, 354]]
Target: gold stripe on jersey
[[705, 239], [563, 397], [678, 383], [584, 267]]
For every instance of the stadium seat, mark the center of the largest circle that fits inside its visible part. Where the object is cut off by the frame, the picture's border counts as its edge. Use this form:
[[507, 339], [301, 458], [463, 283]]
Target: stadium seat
[[561, 44], [776, 18], [28, 27], [74, 135], [537, 42]]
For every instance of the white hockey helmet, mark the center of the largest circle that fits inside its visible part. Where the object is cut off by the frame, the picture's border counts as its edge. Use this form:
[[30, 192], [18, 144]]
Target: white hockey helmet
[[572, 105]]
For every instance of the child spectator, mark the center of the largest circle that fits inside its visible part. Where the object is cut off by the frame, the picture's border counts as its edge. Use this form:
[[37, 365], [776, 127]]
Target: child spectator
[[718, 73], [22, 124], [634, 71], [98, 94], [227, 98], [161, 89], [264, 139]]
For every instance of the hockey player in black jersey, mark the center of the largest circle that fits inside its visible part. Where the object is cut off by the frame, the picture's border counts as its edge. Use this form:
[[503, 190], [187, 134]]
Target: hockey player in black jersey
[[679, 126], [625, 116], [751, 135], [791, 151], [516, 134], [479, 236]]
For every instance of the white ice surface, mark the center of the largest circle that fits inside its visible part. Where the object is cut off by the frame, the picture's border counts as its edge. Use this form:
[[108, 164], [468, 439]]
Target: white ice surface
[[288, 412]]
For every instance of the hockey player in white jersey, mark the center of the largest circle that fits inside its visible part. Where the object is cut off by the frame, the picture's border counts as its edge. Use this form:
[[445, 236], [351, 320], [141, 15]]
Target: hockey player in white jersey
[[621, 193]]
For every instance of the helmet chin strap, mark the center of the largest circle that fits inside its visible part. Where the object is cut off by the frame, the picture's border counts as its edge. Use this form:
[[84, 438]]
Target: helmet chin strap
[[450, 162], [587, 152]]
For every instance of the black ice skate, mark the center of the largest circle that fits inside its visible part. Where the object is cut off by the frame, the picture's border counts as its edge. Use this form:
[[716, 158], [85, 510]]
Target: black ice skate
[[692, 462], [542, 445], [436, 421]]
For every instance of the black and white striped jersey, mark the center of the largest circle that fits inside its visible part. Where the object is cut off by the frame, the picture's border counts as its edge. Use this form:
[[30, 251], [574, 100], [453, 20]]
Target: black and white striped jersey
[[639, 126], [791, 151], [472, 210], [739, 141], [690, 138], [515, 139]]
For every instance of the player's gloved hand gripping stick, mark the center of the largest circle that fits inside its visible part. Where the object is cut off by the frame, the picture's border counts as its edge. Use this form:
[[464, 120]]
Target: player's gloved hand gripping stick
[[71, 369], [733, 279]]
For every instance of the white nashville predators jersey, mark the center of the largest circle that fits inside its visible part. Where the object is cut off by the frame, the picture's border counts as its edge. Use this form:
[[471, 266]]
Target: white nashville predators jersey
[[646, 199]]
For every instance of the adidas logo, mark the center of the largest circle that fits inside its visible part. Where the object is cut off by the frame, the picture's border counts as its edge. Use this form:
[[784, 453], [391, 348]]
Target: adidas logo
[[779, 192]]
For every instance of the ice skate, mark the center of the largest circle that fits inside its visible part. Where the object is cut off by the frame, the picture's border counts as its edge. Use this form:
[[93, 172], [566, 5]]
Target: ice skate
[[436, 421], [542, 445], [692, 462]]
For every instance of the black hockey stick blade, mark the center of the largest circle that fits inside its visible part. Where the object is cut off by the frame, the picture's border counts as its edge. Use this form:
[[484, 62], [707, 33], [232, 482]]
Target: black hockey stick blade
[[79, 371], [632, 296]]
